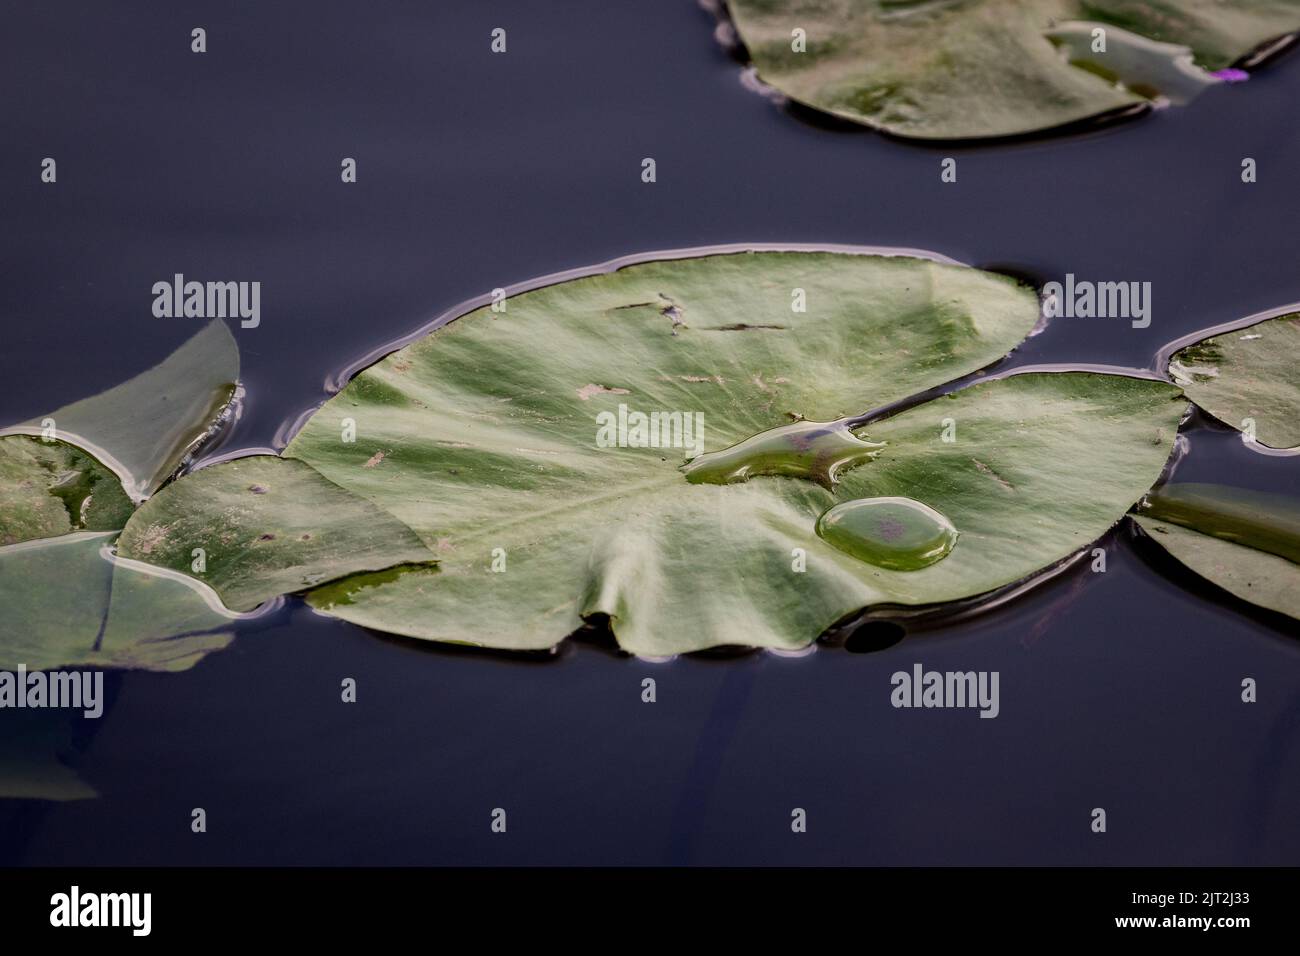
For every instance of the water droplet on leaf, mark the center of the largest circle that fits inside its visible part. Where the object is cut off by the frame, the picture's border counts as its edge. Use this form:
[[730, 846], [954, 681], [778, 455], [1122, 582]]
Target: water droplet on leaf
[[895, 533], [818, 451]]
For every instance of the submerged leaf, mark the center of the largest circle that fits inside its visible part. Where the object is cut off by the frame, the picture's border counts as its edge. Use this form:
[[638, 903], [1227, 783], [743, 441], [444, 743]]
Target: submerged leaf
[[546, 510], [67, 604], [1247, 542], [954, 69], [144, 427], [30, 764], [1248, 378], [52, 488], [265, 526]]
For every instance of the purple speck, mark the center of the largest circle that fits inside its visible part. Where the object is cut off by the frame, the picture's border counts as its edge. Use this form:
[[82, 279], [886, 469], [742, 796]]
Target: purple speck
[[1231, 75], [890, 529]]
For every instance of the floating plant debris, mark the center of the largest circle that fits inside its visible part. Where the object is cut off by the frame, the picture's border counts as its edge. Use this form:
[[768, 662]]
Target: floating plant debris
[[937, 69], [818, 451], [896, 533]]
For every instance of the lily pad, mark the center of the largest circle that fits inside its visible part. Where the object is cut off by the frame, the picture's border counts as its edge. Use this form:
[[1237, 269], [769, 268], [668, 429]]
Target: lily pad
[[958, 69], [67, 604], [52, 488], [1246, 542], [143, 428], [1248, 378], [486, 438], [266, 526]]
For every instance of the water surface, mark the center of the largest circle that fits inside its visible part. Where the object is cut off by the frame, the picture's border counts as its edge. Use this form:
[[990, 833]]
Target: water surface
[[475, 171]]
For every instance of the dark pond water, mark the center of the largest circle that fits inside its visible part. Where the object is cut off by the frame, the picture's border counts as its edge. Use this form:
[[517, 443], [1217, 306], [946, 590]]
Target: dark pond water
[[1118, 690]]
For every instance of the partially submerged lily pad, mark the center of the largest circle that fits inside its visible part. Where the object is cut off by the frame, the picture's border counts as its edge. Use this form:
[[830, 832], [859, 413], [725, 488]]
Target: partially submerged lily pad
[[264, 526], [1248, 378], [502, 440], [143, 428], [1246, 542], [67, 604], [52, 488], [957, 69]]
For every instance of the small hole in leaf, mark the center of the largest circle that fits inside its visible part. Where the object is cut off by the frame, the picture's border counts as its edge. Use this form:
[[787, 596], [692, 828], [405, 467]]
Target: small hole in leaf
[[874, 636]]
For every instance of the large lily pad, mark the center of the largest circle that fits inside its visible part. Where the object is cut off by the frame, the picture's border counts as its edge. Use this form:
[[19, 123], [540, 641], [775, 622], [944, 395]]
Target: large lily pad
[[484, 438], [955, 69], [67, 604], [1248, 374], [266, 526], [143, 428], [52, 488], [1246, 542], [1043, 465]]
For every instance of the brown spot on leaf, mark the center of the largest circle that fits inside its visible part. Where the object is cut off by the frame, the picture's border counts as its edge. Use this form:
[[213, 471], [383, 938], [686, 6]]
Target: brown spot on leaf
[[374, 459], [986, 470], [587, 391], [257, 489]]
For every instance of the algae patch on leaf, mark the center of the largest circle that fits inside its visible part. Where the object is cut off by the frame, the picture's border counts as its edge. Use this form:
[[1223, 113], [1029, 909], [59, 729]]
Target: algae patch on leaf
[[49, 488]]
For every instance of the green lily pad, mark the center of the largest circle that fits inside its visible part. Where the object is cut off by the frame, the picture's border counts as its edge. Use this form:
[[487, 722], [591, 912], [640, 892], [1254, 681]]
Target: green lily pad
[[52, 488], [957, 69], [486, 438], [68, 604], [1247, 378], [266, 526], [1246, 542], [143, 428]]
